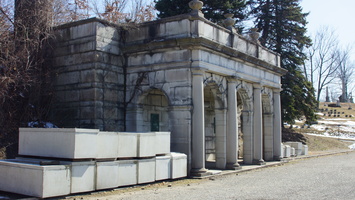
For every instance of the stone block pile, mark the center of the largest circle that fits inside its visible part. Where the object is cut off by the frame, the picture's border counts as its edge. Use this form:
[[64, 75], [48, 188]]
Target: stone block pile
[[57, 162], [292, 149]]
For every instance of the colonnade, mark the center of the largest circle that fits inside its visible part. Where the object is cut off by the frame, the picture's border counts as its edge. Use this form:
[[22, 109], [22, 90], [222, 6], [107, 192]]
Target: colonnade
[[227, 138]]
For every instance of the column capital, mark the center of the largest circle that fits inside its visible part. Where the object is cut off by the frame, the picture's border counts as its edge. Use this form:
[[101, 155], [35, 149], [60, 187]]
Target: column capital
[[197, 71], [232, 79], [276, 90], [257, 85]]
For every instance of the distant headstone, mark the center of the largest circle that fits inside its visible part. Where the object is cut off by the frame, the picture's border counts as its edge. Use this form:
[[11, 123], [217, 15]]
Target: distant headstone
[[327, 99]]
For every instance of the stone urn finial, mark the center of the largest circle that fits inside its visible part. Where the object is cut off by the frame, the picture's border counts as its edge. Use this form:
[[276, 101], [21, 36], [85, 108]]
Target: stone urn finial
[[229, 22], [254, 35], [196, 7]]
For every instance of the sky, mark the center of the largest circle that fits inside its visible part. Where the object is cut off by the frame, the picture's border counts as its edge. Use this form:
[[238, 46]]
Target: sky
[[338, 15]]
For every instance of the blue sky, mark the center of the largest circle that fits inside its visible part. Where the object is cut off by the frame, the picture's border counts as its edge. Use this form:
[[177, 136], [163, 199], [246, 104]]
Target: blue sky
[[338, 15]]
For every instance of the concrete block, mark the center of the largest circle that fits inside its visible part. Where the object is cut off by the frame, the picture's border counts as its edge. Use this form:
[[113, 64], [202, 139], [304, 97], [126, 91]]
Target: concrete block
[[127, 172], [82, 176], [287, 152], [282, 150], [178, 165], [162, 167], [107, 175], [146, 170], [162, 143], [107, 145], [293, 152], [127, 140], [305, 150], [298, 147], [68, 143], [33, 179], [146, 145]]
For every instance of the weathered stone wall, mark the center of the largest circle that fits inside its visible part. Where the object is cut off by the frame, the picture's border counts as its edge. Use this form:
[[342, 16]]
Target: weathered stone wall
[[88, 77]]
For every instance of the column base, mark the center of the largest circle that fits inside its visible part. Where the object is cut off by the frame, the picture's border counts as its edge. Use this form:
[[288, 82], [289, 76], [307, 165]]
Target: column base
[[233, 166], [200, 172], [278, 158], [259, 162]]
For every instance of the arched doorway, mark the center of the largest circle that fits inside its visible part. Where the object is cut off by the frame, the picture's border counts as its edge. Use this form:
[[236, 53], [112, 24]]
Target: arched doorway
[[215, 128], [152, 112], [245, 127]]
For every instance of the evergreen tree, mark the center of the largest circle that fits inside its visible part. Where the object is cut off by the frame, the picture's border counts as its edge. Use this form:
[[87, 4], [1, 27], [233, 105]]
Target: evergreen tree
[[283, 27], [212, 9]]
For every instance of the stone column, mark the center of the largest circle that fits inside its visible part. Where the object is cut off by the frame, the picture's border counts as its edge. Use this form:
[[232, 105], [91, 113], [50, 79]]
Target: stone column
[[221, 140], [232, 127], [198, 125], [277, 125], [258, 128]]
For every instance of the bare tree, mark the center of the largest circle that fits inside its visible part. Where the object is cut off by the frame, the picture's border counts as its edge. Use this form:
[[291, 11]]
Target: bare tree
[[345, 72], [24, 32], [120, 11], [323, 59]]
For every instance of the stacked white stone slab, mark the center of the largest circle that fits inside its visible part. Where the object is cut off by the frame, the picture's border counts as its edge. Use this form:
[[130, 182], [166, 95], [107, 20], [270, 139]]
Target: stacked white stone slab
[[59, 143], [98, 160], [91, 143], [34, 179], [297, 146], [300, 149]]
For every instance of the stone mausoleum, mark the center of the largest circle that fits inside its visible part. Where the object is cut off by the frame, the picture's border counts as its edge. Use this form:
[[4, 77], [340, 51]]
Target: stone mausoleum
[[217, 92]]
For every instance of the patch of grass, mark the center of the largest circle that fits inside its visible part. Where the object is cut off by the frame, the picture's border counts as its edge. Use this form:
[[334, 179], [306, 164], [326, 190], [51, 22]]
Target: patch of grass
[[316, 143]]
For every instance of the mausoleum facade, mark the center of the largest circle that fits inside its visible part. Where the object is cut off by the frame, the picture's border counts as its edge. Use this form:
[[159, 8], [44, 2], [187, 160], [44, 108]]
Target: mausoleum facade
[[217, 92]]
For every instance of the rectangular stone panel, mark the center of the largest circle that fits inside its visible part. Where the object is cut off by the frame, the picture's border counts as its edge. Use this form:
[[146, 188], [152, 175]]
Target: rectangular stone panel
[[163, 167], [178, 165], [146, 145], [127, 145], [82, 176], [162, 143], [107, 175], [32, 179], [146, 170], [107, 145], [127, 172], [69, 143]]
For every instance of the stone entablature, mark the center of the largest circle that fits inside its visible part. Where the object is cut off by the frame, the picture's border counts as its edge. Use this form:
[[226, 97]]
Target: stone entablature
[[201, 32]]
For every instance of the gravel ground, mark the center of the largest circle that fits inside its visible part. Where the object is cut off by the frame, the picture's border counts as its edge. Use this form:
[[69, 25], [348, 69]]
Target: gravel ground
[[328, 177]]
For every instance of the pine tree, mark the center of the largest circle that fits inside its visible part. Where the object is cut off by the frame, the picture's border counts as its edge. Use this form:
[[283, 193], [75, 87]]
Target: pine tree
[[212, 9], [283, 27]]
